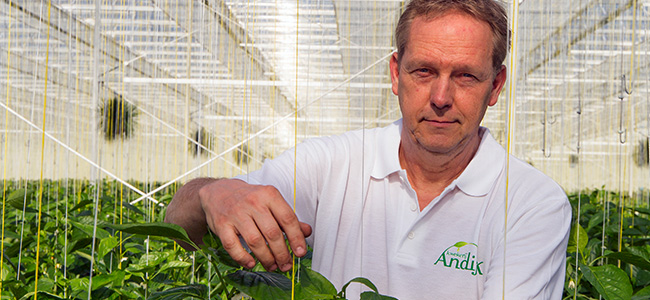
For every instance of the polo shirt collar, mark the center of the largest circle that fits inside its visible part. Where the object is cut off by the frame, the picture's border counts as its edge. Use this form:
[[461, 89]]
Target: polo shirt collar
[[483, 170], [387, 151], [476, 180]]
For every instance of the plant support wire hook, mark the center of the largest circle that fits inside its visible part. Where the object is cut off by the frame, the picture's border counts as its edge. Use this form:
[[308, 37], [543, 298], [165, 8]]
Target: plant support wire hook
[[622, 132], [546, 152], [624, 89]]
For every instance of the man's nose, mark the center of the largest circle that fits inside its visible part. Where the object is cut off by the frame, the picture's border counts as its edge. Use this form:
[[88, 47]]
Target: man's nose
[[441, 92]]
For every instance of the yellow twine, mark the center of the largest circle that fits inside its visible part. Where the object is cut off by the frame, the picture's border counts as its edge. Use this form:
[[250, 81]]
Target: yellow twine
[[40, 185], [121, 147], [510, 132], [622, 164], [295, 139], [633, 43], [245, 105], [4, 172]]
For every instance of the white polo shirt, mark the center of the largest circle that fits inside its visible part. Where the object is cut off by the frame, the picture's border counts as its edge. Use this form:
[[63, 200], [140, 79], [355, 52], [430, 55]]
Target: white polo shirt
[[366, 220]]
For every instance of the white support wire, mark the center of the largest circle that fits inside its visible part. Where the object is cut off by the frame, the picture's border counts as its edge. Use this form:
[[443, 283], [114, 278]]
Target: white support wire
[[265, 128], [182, 135], [92, 163]]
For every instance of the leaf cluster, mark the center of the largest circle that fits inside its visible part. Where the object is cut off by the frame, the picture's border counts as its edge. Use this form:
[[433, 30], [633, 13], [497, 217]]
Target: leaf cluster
[[117, 118], [608, 254], [94, 244]]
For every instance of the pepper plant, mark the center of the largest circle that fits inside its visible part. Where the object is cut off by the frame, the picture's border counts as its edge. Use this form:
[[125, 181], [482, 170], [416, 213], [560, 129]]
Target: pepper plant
[[94, 244]]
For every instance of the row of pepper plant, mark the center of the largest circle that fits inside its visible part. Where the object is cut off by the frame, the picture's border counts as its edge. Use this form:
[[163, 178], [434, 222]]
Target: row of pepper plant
[[75, 239]]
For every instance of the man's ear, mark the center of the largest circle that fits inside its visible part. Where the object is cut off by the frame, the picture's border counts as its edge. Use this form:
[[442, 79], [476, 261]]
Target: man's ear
[[497, 85], [394, 72]]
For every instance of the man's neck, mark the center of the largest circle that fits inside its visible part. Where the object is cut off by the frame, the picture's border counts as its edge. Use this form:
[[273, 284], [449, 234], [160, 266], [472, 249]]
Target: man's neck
[[430, 173]]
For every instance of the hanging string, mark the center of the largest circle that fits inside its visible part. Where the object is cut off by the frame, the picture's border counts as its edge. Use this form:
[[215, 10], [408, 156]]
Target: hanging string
[[578, 185], [647, 116], [6, 142], [510, 123], [295, 141], [121, 112], [630, 113], [579, 162], [246, 105], [95, 148], [631, 77], [29, 150], [579, 175], [624, 91], [40, 184]]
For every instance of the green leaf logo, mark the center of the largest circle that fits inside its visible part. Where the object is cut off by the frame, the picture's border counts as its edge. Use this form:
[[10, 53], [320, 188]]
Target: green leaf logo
[[460, 244]]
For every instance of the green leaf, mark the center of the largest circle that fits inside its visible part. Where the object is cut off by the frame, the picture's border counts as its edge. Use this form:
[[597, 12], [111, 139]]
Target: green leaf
[[578, 239], [148, 262], [107, 280], [596, 219], [168, 230], [41, 295], [165, 199], [45, 284], [20, 199], [642, 210], [79, 244], [313, 285], [79, 288], [375, 296], [16, 287], [134, 248], [193, 290], [261, 285], [642, 251], [176, 264], [105, 246], [611, 282], [81, 204], [83, 255], [17, 198], [88, 230], [362, 280], [130, 207], [220, 254], [631, 258], [642, 294]]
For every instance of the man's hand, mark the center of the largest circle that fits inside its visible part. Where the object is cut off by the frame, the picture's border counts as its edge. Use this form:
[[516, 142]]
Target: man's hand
[[233, 208]]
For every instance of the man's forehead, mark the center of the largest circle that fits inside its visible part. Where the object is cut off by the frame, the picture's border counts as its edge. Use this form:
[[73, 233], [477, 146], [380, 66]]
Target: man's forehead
[[423, 19]]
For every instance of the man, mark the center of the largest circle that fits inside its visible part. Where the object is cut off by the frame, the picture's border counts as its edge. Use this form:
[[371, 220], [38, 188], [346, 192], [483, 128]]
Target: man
[[429, 207]]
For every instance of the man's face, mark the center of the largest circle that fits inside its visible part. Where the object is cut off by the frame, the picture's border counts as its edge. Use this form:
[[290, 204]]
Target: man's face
[[445, 81]]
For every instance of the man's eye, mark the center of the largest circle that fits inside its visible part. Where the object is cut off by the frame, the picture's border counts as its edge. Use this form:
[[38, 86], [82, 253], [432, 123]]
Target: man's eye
[[422, 71], [468, 75]]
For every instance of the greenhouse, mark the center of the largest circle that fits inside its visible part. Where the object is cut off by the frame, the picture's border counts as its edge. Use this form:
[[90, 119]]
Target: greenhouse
[[109, 106]]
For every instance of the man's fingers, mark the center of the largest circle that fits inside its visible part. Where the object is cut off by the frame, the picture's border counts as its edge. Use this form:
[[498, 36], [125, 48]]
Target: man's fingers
[[261, 217], [292, 229], [232, 245], [306, 229], [255, 236], [275, 242]]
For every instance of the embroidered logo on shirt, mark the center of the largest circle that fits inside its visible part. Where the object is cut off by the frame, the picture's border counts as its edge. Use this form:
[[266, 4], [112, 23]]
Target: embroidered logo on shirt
[[461, 256]]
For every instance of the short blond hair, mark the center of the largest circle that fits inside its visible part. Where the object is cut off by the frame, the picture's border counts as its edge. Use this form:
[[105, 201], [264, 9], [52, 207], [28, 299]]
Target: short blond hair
[[488, 11]]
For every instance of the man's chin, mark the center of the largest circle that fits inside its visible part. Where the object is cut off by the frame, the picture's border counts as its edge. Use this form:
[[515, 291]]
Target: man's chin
[[436, 147]]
